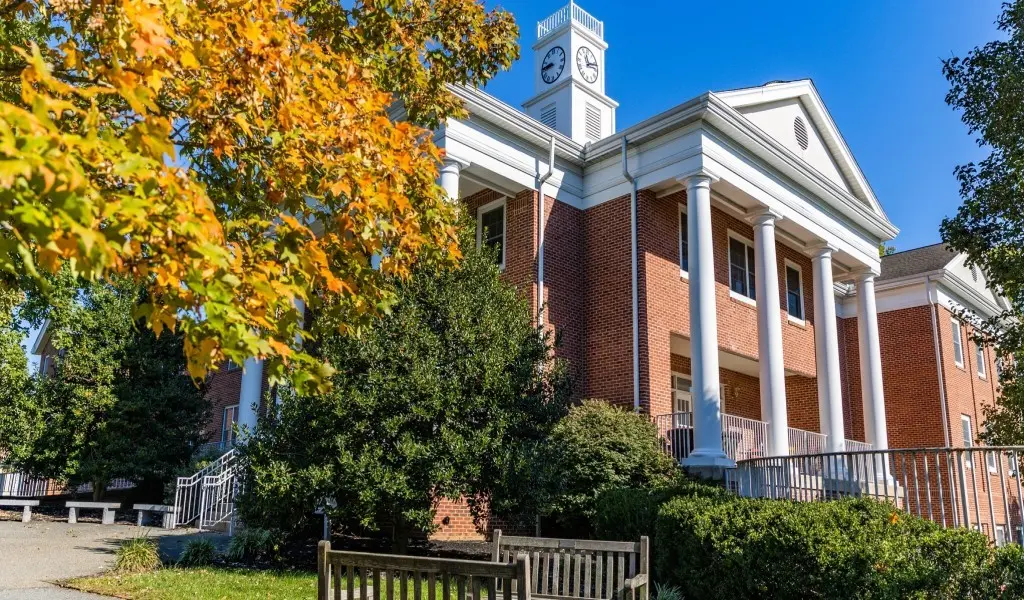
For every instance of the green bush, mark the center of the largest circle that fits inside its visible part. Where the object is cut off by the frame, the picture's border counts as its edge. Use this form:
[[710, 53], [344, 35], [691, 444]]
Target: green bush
[[718, 547], [136, 555], [626, 513], [253, 544], [197, 553], [598, 447]]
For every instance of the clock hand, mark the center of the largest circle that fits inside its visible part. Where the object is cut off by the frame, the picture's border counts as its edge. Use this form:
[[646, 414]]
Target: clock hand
[[591, 64], [547, 66]]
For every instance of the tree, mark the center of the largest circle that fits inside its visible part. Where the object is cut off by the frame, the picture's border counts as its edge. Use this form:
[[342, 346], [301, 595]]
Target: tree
[[450, 395], [231, 156], [120, 402], [987, 86]]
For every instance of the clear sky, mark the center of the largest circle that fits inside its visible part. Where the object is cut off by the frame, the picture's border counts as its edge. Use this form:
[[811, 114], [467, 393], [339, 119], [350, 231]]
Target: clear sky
[[876, 63]]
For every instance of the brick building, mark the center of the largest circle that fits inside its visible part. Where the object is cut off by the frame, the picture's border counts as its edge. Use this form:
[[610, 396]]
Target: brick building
[[714, 266]]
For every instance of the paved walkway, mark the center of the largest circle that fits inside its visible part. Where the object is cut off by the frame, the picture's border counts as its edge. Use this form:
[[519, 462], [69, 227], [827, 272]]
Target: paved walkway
[[34, 554]]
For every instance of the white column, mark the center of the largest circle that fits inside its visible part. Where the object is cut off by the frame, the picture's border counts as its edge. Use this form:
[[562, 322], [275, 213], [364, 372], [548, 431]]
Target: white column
[[250, 394], [450, 171], [769, 333], [870, 363], [707, 405], [826, 351]]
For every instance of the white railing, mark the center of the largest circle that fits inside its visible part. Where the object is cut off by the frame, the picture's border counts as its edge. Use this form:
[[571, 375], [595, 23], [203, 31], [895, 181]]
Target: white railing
[[741, 438], [806, 442], [855, 446], [200, 498], [15, 484], [573, 12], [977, 488]]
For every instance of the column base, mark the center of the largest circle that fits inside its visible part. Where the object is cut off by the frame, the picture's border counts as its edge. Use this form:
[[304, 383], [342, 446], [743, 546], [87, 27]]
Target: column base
[[707, 464]]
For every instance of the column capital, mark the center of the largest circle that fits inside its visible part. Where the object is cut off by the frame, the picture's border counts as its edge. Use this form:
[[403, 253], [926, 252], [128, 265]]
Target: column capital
[[699, 177], [451, 161], [864, 274], [764, 215], [822, 249]]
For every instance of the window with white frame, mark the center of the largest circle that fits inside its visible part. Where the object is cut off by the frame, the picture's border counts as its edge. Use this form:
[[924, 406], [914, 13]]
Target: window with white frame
[[965, 426], [980, 357], [684, 241], [682, 400], [1011, 463], [490, 228], [1000, 535], [958, 344], [741, 267], [794, 292], [227, 427]]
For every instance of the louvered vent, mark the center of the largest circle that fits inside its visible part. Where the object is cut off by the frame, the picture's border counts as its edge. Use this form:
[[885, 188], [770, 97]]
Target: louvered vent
[[800, 131], [549, 116], [593, 122]]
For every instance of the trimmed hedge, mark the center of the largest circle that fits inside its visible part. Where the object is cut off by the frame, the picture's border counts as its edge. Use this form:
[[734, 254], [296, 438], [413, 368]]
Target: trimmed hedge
[[745, 548], [626, 513]]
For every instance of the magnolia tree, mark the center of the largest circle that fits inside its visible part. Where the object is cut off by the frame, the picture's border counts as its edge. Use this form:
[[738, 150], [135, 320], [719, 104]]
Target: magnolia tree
[[452, 395], [987, 87], [231, 156]]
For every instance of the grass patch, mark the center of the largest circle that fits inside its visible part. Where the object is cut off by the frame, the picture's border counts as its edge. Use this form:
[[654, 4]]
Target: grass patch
[[201, 584]]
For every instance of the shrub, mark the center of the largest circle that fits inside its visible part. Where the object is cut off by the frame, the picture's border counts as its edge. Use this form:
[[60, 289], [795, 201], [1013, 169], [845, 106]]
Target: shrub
[[626, 513], [197, 553], [136, 555], [720, 547], [253, 545], [598, 447]]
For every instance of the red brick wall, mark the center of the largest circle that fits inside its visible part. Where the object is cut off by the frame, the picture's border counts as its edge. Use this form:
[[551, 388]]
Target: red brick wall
[[222, 389]]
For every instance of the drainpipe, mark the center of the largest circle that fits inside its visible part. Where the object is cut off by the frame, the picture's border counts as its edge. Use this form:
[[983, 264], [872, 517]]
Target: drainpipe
[[634, 284], [938, 359], [540, 231]]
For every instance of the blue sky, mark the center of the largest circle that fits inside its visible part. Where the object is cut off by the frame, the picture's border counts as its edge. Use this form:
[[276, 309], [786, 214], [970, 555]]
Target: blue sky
[[877, 65]]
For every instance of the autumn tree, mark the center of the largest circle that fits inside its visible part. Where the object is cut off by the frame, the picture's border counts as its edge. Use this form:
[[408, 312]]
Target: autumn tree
[[987, 87], [233, 156]]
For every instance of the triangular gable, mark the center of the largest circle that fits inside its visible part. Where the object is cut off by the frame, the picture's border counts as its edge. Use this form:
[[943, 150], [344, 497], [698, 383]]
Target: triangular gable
[[975, 279], [774, 107]]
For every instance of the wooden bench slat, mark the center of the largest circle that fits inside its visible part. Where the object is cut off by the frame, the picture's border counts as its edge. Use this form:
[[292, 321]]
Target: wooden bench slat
[[596, 545]]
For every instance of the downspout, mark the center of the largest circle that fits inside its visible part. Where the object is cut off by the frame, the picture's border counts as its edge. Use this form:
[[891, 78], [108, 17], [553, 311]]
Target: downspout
[[938, 359], [634, 282], [540, 231]]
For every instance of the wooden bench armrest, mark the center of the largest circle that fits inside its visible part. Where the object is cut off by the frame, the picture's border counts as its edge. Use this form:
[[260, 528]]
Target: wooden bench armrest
[[638, 582]]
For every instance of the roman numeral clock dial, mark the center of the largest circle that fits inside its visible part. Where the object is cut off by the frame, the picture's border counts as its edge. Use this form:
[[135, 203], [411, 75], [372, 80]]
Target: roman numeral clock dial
[[552, 65], [586, 62]]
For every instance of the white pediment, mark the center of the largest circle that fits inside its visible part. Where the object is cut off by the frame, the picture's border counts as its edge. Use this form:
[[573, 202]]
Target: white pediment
[[775, 108], [975, 279]]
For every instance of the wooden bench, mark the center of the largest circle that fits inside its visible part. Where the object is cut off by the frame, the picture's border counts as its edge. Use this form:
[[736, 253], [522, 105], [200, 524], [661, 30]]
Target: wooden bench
[[564, 568], [390, 577], [166, 512], [26, 506], [108, 509]]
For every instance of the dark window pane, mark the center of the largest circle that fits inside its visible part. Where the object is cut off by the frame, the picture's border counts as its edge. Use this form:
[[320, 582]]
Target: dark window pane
[[794, 295], [684, 243], [750, 270], [492, 224]]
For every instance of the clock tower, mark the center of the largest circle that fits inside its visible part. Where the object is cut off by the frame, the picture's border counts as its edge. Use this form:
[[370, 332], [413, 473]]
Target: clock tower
[[569, 76]]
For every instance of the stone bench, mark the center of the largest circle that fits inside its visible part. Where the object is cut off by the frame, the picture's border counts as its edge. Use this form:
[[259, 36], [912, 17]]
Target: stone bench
[[108, 509], [26, 506], [166, 512]]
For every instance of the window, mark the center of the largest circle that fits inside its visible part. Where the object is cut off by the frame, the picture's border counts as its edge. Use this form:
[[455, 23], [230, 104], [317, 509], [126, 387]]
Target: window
[[965, 425], [958, 345], [741, 267], [681, 395], [1011, 461], [227, 427], [232, 366], [992, 461], [1000, 535], [684, 241], [980, 357], [794, 292], [490, 230]]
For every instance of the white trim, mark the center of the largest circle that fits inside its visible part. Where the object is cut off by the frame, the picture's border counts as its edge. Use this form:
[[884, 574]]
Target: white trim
[[228, 431], [788, 264], [486, 208], [684, 273], [980, 358], [687, 377], [749, 268], [968, 440], [958, 342]]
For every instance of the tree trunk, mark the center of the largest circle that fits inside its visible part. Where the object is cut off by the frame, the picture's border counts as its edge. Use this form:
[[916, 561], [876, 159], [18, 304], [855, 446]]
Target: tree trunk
[[400, 535], [99, 488]]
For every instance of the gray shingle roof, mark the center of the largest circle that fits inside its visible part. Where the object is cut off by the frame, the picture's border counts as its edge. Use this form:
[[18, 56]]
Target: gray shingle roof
[[918, 260]]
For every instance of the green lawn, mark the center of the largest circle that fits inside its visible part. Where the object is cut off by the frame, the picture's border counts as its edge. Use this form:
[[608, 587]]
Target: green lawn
[[202, 584]]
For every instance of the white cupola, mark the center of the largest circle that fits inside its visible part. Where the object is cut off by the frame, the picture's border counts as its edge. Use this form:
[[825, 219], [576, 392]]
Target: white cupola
[[569, 76]]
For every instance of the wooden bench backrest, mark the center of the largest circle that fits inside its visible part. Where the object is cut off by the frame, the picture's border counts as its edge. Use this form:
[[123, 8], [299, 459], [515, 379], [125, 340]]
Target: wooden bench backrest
[[565, 568], [394, 577]]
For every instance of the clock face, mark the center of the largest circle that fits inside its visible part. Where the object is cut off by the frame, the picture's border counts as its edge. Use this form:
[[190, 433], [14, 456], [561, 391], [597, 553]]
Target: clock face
[[552, 65], [586, 62]]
